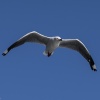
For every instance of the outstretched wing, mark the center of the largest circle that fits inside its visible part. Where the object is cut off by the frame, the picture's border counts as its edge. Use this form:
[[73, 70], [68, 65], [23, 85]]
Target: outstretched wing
[[29, 37], [77, 45]]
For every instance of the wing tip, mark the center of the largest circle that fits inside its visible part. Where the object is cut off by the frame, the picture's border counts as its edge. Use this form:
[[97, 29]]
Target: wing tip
[[5, 52], [94, 67]]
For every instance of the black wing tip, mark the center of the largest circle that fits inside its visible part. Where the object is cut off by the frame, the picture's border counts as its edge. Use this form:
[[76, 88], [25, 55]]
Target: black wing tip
[[3, 54], [93, 67], [92, 64], [94, 70]]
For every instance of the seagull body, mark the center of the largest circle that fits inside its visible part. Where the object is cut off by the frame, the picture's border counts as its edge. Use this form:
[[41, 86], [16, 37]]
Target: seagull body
[[52, 43]]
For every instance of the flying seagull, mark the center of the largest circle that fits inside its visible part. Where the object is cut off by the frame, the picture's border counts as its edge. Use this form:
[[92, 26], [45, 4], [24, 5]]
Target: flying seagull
[[52, 43]]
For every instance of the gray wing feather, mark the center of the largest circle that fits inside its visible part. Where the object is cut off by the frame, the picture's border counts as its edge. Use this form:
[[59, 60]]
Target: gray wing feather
[[34, 37], [29, 37], [77, 45]]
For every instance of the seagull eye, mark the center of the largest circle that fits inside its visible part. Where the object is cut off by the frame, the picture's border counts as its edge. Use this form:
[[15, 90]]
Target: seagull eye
[[55, 38]]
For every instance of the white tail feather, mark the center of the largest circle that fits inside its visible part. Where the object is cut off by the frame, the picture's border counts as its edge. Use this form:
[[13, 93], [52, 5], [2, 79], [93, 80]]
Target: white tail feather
[[46, 53]]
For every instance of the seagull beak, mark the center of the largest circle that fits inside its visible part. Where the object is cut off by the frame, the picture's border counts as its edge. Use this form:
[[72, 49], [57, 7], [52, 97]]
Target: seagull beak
[[60, 39]]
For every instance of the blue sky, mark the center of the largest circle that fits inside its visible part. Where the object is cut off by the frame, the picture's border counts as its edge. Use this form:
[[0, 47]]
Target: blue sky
[[26, 74]]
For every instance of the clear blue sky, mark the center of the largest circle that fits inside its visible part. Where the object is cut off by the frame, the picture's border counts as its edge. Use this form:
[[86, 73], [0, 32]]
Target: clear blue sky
[[26, 74]]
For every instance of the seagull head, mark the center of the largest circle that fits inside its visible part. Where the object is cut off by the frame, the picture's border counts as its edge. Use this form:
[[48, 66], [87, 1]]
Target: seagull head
[[57, 38]]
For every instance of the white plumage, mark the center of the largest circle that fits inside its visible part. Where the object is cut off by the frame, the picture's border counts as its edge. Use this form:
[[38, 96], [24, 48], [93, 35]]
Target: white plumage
[[52, 43]]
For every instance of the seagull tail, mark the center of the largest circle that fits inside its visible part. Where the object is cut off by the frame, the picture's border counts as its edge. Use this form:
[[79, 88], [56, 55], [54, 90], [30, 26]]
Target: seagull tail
[[45, 53], [5, 52], [92, 64]]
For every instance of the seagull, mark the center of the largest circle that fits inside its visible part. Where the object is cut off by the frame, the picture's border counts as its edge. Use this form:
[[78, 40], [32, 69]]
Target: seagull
[[51, 43]]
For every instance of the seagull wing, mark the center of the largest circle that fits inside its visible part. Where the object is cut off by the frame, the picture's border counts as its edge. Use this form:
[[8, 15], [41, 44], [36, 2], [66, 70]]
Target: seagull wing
[[77, 45], [29, 37]]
